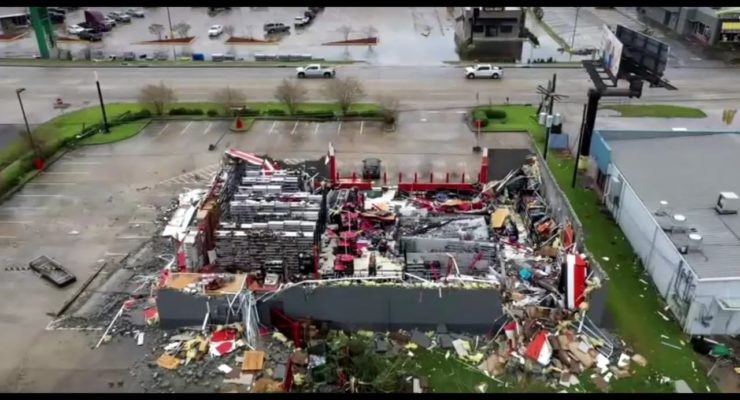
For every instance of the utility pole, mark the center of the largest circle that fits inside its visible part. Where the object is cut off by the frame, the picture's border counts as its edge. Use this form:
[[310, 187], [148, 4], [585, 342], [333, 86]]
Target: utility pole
[[28, 128], [172, 34], [102, 104]]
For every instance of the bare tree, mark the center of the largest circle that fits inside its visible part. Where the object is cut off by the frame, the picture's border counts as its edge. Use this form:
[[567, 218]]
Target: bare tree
[[369, 31], [345, 91], [158, 96], [345, 30], [229, 98], [182, 29], [229, 30], [156, 29], [389, 107], [291, 93]]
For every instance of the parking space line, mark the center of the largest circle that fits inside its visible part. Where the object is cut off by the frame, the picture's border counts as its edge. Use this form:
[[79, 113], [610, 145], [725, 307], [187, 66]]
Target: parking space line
[[51, 183], [109, 254], [140, 222], [208, 128], [8, 237], [362, 126], [272, 128], [294, 128], [81, 162], [339, 128], [40, 195], [163, 128], [67, 173], [133, 237], [316, 131], [16, 222], [186, 127], [22, 208]]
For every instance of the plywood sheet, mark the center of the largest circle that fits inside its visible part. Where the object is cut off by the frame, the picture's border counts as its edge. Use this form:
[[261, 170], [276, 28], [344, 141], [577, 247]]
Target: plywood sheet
[[253, 360]]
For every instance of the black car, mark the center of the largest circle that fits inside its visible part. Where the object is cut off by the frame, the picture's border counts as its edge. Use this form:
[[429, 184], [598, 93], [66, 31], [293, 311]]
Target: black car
[[275, 28], [371, 168], [91, 36], [129, 56]]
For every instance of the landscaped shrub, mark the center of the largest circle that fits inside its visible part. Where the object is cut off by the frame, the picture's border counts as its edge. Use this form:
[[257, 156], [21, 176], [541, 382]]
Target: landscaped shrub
[[143, 113], [274, 112], [246, 113], [496, 114], [186, 111], [480, 115], [212, 113]]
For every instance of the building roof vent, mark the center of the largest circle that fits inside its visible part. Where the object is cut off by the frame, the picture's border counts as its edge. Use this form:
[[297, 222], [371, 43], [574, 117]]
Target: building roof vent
[[678, 224], [693, 244], [727, 203], [664, 209]]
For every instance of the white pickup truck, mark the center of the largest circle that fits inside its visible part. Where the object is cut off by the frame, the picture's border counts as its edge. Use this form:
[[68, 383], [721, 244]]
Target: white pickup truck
[[315, 70], [484, 71]]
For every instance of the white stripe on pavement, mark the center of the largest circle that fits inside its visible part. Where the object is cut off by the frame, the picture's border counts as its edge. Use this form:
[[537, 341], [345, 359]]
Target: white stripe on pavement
[[163, 128], [16, 222], [51, 183], [316, 131], [362, 126], [8, 237], [208, 128], [40, 195], [294, 128], [81, 162], [67, 173], [339, 128], [272, 127], [186, 127]]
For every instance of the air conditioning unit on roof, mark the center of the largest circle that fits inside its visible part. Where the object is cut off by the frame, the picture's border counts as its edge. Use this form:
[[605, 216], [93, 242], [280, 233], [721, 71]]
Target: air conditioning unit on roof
[[727, 203]]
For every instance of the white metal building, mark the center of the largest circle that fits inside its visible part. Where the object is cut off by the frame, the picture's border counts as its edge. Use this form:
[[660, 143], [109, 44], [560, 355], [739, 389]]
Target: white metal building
[[690, 249]]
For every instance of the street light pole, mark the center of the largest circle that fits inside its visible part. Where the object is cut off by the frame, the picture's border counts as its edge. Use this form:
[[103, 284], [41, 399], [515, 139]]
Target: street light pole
[[25, 119], [575, 24], [102, 104], [172, 34]]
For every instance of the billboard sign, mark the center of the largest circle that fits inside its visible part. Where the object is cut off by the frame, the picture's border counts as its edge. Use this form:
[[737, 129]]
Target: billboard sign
[[643, 51], [611, 51]]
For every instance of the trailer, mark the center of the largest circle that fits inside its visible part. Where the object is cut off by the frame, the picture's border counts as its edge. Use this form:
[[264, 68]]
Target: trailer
[[52, 271]]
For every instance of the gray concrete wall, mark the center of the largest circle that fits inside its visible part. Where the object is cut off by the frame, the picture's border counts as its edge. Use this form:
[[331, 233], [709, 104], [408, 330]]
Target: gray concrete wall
[[391, 308]]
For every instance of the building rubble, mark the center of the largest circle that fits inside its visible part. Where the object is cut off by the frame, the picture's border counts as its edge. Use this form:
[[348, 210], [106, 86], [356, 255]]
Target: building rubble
[[256, 233]]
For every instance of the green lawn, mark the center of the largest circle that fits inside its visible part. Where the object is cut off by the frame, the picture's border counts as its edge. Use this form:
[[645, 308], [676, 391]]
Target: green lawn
[[117, 133], [656, 110], [636, 317], [518, 119]]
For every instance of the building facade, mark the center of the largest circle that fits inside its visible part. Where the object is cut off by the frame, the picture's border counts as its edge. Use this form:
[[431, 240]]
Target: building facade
[[490, 33], [710, 25], [690, 250]]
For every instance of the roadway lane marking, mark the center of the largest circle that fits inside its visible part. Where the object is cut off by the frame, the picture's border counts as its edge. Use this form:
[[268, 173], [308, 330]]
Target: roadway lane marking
[[272, 128], [294, 128], [208, 128], [362, 126], [316, 131], [339, 128], [163, 128], [186, 127]]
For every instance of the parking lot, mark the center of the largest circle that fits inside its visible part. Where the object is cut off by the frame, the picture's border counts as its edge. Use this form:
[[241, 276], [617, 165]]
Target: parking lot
[[97, 203], [407, 35]]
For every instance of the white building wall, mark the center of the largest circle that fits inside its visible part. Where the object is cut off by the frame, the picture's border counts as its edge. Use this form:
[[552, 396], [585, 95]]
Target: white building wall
[[706, 317], [656, 251]]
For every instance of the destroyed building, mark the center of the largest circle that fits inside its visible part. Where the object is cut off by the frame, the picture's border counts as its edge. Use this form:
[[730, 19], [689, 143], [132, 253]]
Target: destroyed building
[[680, 214]]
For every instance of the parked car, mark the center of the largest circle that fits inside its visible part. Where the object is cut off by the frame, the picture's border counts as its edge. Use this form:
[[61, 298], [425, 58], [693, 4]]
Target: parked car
[[309, 13], [315, 70], [135, 12], [371, 168], [75, 29], [301, 22], [484, 71], [275, 28], [120, 16], [90, 36], [129, 56], [110, 22], [215, 30]]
